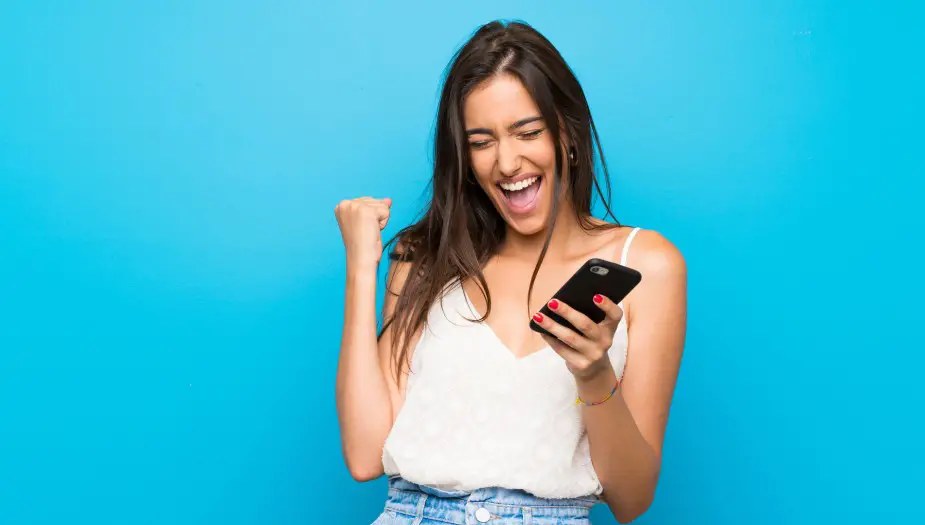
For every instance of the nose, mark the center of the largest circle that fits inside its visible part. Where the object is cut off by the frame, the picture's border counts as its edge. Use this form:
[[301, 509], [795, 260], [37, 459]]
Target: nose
[[509, 158]]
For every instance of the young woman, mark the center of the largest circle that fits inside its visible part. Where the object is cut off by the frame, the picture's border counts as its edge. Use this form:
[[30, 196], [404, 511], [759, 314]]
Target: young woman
[[474, 417]]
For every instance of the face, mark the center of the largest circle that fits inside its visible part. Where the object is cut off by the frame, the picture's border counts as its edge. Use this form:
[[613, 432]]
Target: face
[[512, 152]]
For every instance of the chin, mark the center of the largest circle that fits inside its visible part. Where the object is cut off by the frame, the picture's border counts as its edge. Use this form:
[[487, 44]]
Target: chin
[[527, 226]]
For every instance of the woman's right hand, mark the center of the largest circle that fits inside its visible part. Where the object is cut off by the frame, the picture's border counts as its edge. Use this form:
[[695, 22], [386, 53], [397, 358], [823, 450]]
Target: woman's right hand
[[361, 222]]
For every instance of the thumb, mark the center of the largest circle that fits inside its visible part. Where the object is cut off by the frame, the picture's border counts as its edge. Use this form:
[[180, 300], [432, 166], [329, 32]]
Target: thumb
[[387, 201], [382, 214]]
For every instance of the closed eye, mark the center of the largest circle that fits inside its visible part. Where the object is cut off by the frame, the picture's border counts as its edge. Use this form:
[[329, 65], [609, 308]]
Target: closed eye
[[532, 134]]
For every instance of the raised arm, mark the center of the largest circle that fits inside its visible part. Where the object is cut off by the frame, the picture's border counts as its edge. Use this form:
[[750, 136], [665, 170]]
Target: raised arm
[[368, 397]]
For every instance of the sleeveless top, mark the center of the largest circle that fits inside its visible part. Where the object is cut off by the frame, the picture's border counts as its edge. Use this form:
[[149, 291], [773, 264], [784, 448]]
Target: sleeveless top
[[477, 416]]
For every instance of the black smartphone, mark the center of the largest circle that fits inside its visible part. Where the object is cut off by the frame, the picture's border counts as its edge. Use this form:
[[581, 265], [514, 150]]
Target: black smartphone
[[596, 276]]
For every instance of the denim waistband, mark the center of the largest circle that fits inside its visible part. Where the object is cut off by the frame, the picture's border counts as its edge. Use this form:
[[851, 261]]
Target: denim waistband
[[479, 506]]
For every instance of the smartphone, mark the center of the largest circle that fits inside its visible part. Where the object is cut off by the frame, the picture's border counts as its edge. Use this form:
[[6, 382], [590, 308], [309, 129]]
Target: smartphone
[[596, 276]]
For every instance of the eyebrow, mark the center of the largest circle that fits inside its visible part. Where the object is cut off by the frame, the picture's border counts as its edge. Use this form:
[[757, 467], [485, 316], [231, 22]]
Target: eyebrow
[[519, 124]]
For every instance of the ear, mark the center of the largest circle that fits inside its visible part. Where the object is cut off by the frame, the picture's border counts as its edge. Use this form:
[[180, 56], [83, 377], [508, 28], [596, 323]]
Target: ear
[[566, 138]]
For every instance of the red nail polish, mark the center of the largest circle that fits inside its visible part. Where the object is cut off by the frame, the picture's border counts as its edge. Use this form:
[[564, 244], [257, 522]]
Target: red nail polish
[[538, 317], [598, 298], [554, 304]]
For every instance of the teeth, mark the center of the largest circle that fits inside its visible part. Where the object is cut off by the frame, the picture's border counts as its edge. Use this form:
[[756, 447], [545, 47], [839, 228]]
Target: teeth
[[517, 186]]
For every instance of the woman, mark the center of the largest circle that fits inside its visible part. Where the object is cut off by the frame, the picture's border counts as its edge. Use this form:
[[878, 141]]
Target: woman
[[474, 417]]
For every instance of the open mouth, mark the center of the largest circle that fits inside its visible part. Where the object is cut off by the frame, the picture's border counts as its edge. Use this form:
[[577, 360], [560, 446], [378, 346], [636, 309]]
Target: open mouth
[[520, 196]]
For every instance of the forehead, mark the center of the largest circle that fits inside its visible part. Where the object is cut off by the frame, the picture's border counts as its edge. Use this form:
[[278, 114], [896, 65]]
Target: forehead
[[498, 101]]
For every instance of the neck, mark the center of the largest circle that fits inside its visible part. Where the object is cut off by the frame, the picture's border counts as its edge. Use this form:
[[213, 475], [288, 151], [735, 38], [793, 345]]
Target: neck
[[529, 247]]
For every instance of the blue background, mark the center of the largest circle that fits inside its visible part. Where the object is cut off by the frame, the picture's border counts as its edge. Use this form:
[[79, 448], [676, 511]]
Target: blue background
[[171, 273]]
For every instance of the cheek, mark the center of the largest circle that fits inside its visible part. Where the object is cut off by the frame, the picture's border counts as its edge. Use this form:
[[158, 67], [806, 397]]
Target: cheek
[[543, 155], [481, 166]]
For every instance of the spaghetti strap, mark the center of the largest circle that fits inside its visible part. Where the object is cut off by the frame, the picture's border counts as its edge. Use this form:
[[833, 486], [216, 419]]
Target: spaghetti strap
[[626, 245], [626, 251]]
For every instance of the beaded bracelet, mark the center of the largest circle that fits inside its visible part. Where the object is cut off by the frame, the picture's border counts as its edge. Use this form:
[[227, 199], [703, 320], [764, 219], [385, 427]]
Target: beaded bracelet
[[593, 403]]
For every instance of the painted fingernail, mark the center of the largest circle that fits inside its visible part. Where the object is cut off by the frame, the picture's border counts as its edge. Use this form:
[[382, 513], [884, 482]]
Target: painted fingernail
[[554, 304], [538, 317], [598, 298]]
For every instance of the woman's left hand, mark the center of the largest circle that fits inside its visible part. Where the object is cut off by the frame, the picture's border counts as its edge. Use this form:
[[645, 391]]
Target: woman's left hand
[[584, 350]]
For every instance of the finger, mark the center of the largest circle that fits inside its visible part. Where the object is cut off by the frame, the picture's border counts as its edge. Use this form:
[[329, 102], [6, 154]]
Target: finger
[[580, 321], [387, 204], [611, 309], [381, 213], [569, 337], [386, 201]]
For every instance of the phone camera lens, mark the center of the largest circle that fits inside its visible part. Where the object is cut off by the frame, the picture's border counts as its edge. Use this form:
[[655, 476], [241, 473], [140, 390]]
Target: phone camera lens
[[599, 270]]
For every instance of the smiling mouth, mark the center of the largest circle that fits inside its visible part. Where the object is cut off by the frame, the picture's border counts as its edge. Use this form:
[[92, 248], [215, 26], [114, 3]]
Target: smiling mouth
[[520, 196]]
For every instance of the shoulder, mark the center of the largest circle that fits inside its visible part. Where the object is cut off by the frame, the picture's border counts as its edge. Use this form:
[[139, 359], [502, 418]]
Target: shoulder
[[646, 250], [653, 254], [401, 259], [663, 290]]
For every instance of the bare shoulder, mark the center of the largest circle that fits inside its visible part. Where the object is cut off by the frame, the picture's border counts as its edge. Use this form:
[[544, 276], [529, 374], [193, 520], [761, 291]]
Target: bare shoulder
[[649, 251], [653, 254], [663, 289], [397, 275], [400, 262]]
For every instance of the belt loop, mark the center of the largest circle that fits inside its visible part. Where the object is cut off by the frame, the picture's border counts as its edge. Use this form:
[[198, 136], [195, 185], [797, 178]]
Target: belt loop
[[419, 512]]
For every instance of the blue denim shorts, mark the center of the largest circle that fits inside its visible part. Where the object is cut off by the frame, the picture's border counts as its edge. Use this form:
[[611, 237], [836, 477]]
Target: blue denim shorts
[[411, 504]]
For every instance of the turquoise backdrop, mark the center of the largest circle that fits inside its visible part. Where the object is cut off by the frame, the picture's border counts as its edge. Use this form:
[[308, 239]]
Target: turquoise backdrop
[[171, 274]]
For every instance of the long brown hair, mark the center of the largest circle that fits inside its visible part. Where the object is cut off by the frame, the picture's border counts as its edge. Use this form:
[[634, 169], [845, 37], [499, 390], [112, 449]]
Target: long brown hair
[[460, 229]]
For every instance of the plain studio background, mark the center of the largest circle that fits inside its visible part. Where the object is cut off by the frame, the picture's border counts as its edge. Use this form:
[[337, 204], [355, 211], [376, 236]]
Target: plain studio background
[[171, 274]]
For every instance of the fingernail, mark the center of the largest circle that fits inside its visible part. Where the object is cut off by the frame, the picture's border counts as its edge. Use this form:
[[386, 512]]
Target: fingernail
[[554, 304], [538, 317], [598, 298]]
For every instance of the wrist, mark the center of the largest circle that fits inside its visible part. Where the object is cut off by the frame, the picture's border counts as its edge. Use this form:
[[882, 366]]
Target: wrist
[[358, 268], [598, 385], [361, 277]]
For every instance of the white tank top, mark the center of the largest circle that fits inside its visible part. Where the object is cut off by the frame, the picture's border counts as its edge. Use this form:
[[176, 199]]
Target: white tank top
[[477, 416]]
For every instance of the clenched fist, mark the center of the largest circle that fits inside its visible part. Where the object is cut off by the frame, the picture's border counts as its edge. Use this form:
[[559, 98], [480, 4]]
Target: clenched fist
[[361, 222]]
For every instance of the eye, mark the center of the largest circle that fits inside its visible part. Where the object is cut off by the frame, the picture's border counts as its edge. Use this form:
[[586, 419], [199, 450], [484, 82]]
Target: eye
[[531, 134], [479, 144]]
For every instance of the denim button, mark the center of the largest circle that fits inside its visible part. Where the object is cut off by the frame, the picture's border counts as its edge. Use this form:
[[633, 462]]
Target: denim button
[[482, 515]]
